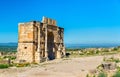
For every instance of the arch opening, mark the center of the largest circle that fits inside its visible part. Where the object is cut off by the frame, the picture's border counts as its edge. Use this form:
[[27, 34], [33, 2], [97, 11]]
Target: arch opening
[[50, 46]]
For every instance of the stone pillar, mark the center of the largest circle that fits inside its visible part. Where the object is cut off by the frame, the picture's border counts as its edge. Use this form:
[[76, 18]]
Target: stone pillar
[[62, 42], [38, 49], [58, 52], [37, 54], [46, 50], [63, 51]]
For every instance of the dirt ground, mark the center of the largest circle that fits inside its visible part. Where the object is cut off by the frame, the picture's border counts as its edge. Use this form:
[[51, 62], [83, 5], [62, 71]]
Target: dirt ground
[[73, 67]]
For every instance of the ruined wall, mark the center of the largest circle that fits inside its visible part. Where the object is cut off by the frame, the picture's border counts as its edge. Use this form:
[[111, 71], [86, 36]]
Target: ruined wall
[[26, 42]]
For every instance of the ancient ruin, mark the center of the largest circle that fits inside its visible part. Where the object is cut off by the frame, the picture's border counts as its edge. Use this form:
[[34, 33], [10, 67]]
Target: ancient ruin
[[40, 41]]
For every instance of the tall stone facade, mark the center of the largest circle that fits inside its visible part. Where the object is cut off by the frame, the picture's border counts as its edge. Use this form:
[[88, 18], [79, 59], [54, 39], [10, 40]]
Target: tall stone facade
[[40, 41]]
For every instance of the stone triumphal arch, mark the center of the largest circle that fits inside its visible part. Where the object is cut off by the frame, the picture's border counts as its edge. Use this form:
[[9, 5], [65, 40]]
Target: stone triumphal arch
[[40, 41]]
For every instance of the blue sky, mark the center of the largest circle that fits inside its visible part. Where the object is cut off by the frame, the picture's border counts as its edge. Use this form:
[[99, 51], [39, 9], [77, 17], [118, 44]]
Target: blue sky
[[85, 21]]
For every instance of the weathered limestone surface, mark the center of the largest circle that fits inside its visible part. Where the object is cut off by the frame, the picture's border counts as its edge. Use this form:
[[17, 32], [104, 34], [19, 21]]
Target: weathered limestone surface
[[38, 41], [25, 52]]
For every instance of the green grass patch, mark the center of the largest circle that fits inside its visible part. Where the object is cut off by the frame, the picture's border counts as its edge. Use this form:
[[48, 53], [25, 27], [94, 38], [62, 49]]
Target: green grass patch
[[117, 74], [102, 74], [3, 66]]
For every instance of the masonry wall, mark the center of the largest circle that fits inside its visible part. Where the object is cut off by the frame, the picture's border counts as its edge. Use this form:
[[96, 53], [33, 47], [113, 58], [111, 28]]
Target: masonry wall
[[26, 32], [25, 52], [26, 41]]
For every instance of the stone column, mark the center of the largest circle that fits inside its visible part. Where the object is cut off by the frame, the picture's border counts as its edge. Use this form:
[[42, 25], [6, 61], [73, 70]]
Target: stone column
[[38, 49], [62, 42], [64, 54], [46, 50], [37, 54]]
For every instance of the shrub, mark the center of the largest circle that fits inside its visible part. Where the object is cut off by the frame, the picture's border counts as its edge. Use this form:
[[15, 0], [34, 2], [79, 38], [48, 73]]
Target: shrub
[[22, 64], [102, 74], [3, 66], [115, 49], [10, 57], [87, 75], [104, 59], [97, 52], [118, 68], [100, 67], [117, 74], [117, 60], [94, 76], [105, 50]]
